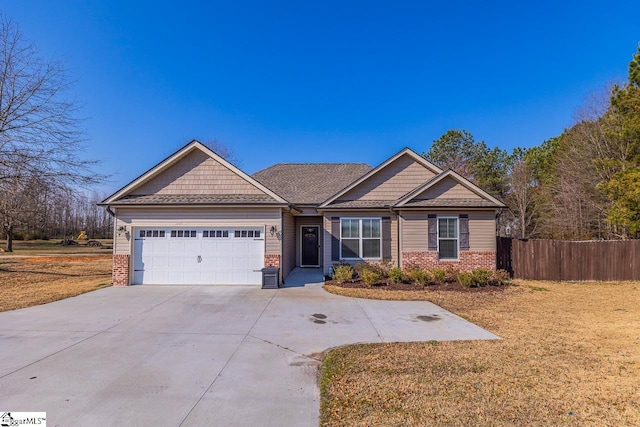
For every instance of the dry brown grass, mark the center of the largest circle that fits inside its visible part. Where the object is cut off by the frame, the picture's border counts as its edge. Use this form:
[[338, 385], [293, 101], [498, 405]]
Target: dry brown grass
[[570, 354], [40, 273]]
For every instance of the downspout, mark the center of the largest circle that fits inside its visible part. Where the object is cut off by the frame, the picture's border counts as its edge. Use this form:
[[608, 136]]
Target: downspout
[[399, 243], [498, 213], [113, 214]]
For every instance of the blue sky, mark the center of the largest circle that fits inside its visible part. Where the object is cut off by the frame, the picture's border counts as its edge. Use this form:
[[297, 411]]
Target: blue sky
[[325, 81]]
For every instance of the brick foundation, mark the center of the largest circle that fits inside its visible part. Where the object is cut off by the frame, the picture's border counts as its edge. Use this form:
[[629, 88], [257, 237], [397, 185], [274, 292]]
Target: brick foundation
[[120, 270], [468, 260], [272, 260]]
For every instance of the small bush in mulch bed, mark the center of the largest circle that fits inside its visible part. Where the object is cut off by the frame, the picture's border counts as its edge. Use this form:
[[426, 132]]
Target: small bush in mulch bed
[[372, 275]]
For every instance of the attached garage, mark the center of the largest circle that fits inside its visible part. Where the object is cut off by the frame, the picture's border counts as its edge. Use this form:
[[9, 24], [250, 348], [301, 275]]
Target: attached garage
[[198, 256], [195, 219]]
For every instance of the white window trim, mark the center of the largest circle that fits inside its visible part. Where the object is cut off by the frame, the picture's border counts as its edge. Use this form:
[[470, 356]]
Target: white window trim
[[360, 238], [457, 239]]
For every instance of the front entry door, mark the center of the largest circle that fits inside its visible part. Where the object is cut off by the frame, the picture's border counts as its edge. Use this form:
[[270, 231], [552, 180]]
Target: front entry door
[[309, 246]]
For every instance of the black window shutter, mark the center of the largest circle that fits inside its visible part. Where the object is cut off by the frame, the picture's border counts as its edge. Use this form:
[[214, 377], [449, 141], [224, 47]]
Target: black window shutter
[[464, 232], [386, 238], [335, 238], [433, 232]]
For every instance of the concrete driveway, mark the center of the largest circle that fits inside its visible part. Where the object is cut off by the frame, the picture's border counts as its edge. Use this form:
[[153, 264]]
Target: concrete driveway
[[196, 355]]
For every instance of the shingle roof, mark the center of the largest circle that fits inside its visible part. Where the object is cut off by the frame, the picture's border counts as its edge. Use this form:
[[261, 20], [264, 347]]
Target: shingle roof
[[361, 204], [196, 199], [450, 203], [310, 183]]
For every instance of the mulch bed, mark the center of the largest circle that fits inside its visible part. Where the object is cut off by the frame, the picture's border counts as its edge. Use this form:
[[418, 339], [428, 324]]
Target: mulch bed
[[390, 285]]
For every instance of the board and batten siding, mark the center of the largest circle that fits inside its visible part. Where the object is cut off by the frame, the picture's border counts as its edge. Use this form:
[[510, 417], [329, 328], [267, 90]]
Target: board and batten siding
[[196, 217], [392, 182], [414, 229], [197, 173], [308, 220], [288, 243], [448, 188], [356, 214]]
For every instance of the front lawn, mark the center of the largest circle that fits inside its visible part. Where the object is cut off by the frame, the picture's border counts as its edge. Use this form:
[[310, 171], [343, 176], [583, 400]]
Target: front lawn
[[569, 354], [41, 272]]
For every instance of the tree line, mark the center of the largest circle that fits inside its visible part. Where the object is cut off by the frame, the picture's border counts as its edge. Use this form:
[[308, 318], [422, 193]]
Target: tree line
[[583, 184]]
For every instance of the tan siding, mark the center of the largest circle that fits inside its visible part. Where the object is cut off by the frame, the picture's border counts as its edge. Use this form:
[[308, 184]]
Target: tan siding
[[197, 217], [308, 220], [356, 214], [197, 173], [448, 188], [288, 244], [392, 182], [414, 231], [482, 230]]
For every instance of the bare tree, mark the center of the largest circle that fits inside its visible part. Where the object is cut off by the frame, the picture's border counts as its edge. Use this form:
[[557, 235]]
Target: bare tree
[[40, 137], [39, 132], [21, 206]]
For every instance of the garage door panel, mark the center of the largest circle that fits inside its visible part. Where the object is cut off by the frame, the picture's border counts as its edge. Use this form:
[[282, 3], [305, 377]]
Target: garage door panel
[[160, 258]]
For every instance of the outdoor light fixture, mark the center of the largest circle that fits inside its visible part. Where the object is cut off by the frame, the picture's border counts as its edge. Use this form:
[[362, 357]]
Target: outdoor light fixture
[[122, 229], [273, 230]]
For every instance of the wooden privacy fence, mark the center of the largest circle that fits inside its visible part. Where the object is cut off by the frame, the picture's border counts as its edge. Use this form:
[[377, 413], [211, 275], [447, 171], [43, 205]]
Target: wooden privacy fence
[[570, 260]]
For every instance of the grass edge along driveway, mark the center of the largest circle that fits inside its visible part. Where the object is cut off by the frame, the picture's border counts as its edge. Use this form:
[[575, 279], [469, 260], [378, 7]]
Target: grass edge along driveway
[[570, 354]]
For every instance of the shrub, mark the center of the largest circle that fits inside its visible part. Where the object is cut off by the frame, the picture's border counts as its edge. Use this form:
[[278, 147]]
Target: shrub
[[396, 275], [481, 276], [369, 276], [342, 273], [450, 274], [384, 267], [439, 275], [465, 278], [381, 268], [420, 276], [499, 278]]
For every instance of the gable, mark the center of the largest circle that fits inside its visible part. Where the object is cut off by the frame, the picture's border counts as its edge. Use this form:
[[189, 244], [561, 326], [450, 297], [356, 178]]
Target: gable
[[391, 182], [447, 188], [196, 173]]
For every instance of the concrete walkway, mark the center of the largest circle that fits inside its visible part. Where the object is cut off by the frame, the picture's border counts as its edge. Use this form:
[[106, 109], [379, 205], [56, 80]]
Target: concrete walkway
[[196, 355]]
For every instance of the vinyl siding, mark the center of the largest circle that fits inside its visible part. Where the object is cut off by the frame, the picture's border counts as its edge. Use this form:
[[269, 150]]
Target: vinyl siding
[[392, 182], [482, 230], [196, 217], [196, 173], [288, 243], [356, 214], [448, 188], [308, 220]]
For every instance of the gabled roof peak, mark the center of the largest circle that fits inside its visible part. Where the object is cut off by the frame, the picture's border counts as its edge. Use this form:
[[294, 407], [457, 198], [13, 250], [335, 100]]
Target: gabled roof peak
[[404, 152], [177, 156]]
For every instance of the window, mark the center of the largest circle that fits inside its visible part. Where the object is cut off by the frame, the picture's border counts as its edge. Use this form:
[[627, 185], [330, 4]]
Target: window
[[447, 238], [360, 238], [215, 233], [183, 233], [247, 234], [152, 233]]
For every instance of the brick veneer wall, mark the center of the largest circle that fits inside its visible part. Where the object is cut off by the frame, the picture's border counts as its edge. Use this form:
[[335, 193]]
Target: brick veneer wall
[[468, 260], [120, 270], [272, 260]]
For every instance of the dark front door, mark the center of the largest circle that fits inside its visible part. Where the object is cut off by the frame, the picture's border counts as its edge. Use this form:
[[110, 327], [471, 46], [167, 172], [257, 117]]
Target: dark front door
[[309, 246]]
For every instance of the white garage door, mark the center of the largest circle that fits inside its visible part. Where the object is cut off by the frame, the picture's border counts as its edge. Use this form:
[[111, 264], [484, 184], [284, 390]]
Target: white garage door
[[198, 256]]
